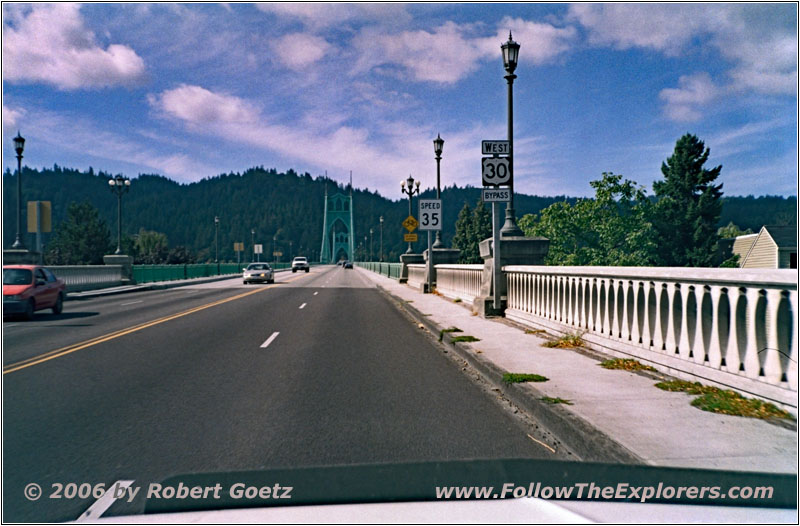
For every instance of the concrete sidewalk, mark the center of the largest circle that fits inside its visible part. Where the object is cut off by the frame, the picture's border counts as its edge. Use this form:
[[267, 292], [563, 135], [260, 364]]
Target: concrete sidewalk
[[616, 416]]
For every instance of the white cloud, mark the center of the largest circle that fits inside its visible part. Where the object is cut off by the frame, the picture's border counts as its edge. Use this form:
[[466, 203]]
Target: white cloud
[[299, 50], [198, 106], [11, 117], [324, 15], [694, 92], [50, 43], [450, 52], [759, 40]]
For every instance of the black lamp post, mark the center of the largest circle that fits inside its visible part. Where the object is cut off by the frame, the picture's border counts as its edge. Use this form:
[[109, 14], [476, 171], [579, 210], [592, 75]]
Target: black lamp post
[[381, 254], [253, 243], [510, 57], [370, 244], [119, 185], [216, 239], [438, 145], [413, 188], [19, 146]]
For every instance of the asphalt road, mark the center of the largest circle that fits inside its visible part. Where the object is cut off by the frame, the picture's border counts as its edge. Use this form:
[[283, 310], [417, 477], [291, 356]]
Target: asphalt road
[[318, 369]]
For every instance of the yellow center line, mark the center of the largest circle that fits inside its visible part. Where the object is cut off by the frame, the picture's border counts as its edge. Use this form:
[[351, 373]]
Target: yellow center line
[[57, 353]]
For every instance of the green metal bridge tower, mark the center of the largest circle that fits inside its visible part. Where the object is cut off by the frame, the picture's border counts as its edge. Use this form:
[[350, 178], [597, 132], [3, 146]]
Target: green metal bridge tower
[[337, 228]]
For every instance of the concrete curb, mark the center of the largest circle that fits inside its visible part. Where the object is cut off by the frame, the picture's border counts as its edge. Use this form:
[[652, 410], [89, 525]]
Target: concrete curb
[[576, 433], [157, 285]]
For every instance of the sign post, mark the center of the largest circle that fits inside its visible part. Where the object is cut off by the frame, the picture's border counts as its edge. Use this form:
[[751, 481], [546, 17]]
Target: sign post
[[496, 171], [430, 219], [238, 248], [258, 249], [39, 221]]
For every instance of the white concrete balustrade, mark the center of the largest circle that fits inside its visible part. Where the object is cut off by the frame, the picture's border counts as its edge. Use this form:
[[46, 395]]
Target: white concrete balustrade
[[459, 281], [733, 327], [88, 277], [417, 274]]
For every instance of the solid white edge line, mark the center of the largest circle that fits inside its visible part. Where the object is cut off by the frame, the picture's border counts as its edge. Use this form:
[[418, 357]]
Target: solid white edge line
[[130, 303], [303, 306], [269, 340], [102, 504]]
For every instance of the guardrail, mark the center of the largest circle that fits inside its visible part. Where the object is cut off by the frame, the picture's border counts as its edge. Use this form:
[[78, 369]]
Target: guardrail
[[391, 270], [735, 327], [79, 278], [459, 281], [154, 273]]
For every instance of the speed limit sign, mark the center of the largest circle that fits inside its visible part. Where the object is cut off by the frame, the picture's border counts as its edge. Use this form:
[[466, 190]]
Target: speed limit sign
[[496, 171], [430, 214]]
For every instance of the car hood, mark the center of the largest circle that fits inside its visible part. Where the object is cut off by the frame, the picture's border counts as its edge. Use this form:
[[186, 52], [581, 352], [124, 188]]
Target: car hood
[[13, 290]]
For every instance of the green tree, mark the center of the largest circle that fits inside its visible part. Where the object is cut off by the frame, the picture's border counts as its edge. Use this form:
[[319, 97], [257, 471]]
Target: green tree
[[462, 236], [731, 230], [611, 229], [688, 206], [81, 239], [151, 247]]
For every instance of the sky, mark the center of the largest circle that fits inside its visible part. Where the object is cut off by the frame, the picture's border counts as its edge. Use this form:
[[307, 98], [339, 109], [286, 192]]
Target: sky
[[190, 91]]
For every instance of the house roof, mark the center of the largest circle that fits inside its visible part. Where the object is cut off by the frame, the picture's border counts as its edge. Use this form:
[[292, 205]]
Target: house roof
[[783, 236]]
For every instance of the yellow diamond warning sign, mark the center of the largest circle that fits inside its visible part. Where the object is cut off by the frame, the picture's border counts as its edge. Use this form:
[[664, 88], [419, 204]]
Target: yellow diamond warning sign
[[410, 223]]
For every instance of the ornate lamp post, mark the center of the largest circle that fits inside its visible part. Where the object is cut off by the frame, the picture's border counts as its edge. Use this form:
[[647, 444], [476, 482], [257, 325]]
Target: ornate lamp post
[[370, 244], [413, 188], [510, 57], [119, 185], [438, 144], [253, 243], [381, 254], [19, 146]]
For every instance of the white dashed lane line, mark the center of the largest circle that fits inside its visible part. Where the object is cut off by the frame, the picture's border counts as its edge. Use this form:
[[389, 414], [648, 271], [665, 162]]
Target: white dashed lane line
[[269, 340], [303, 306]]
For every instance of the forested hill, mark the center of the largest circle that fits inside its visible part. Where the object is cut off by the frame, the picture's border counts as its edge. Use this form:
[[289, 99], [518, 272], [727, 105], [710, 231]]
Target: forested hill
[[288, 204]]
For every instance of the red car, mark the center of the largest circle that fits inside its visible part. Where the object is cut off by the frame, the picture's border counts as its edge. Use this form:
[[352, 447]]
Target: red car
[[28, 288]]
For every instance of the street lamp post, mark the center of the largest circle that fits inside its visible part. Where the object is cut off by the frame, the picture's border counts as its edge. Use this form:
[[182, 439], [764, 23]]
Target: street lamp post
[[413, 188], [381, 254], [274, 240], [290, 251], [119, 185], [19, 146], [370, 244], [438, 145], [216, 239], [510, 57]]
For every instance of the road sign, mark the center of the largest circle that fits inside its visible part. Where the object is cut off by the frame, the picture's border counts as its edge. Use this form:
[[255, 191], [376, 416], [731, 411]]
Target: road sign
[[496, 171], [430, 214], [39, 212], [258, 249], [409, 238], [496, 147], [238, 247], [277, 253], [496, 195], [410, 223]]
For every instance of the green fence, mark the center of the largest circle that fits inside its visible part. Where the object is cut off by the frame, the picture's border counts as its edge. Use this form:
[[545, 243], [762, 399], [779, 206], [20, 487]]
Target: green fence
[[391, 270], [150, 273]]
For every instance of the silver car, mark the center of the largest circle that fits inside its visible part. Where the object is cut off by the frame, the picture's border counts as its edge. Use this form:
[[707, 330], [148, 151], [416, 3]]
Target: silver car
[[258, 273]]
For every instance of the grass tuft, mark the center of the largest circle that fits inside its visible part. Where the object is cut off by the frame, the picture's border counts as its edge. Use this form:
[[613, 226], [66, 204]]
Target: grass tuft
[[515, 378], [726, 401], [627, 364], [451, 329], [465, 338], [457, 300], [568, 341], [555, 400]]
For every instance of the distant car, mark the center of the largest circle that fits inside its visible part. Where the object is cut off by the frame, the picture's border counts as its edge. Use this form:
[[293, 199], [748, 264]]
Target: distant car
[[28, 288], [300, 263], [258, 273], [348, 264]]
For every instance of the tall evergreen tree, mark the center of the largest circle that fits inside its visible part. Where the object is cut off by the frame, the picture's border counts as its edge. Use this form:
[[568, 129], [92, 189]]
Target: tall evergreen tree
[[82, 239], [462, 236], [689, 206]]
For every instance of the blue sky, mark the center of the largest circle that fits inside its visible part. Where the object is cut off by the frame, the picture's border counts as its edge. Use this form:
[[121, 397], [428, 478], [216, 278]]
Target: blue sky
[[194, 90]]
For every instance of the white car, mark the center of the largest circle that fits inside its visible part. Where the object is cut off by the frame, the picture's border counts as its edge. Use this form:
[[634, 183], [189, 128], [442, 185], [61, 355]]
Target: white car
[[258, 273], [300, 263]]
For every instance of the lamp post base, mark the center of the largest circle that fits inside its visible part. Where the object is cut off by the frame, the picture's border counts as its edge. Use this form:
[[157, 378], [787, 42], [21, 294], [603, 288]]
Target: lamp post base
[[21, 256], [510, 227]]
